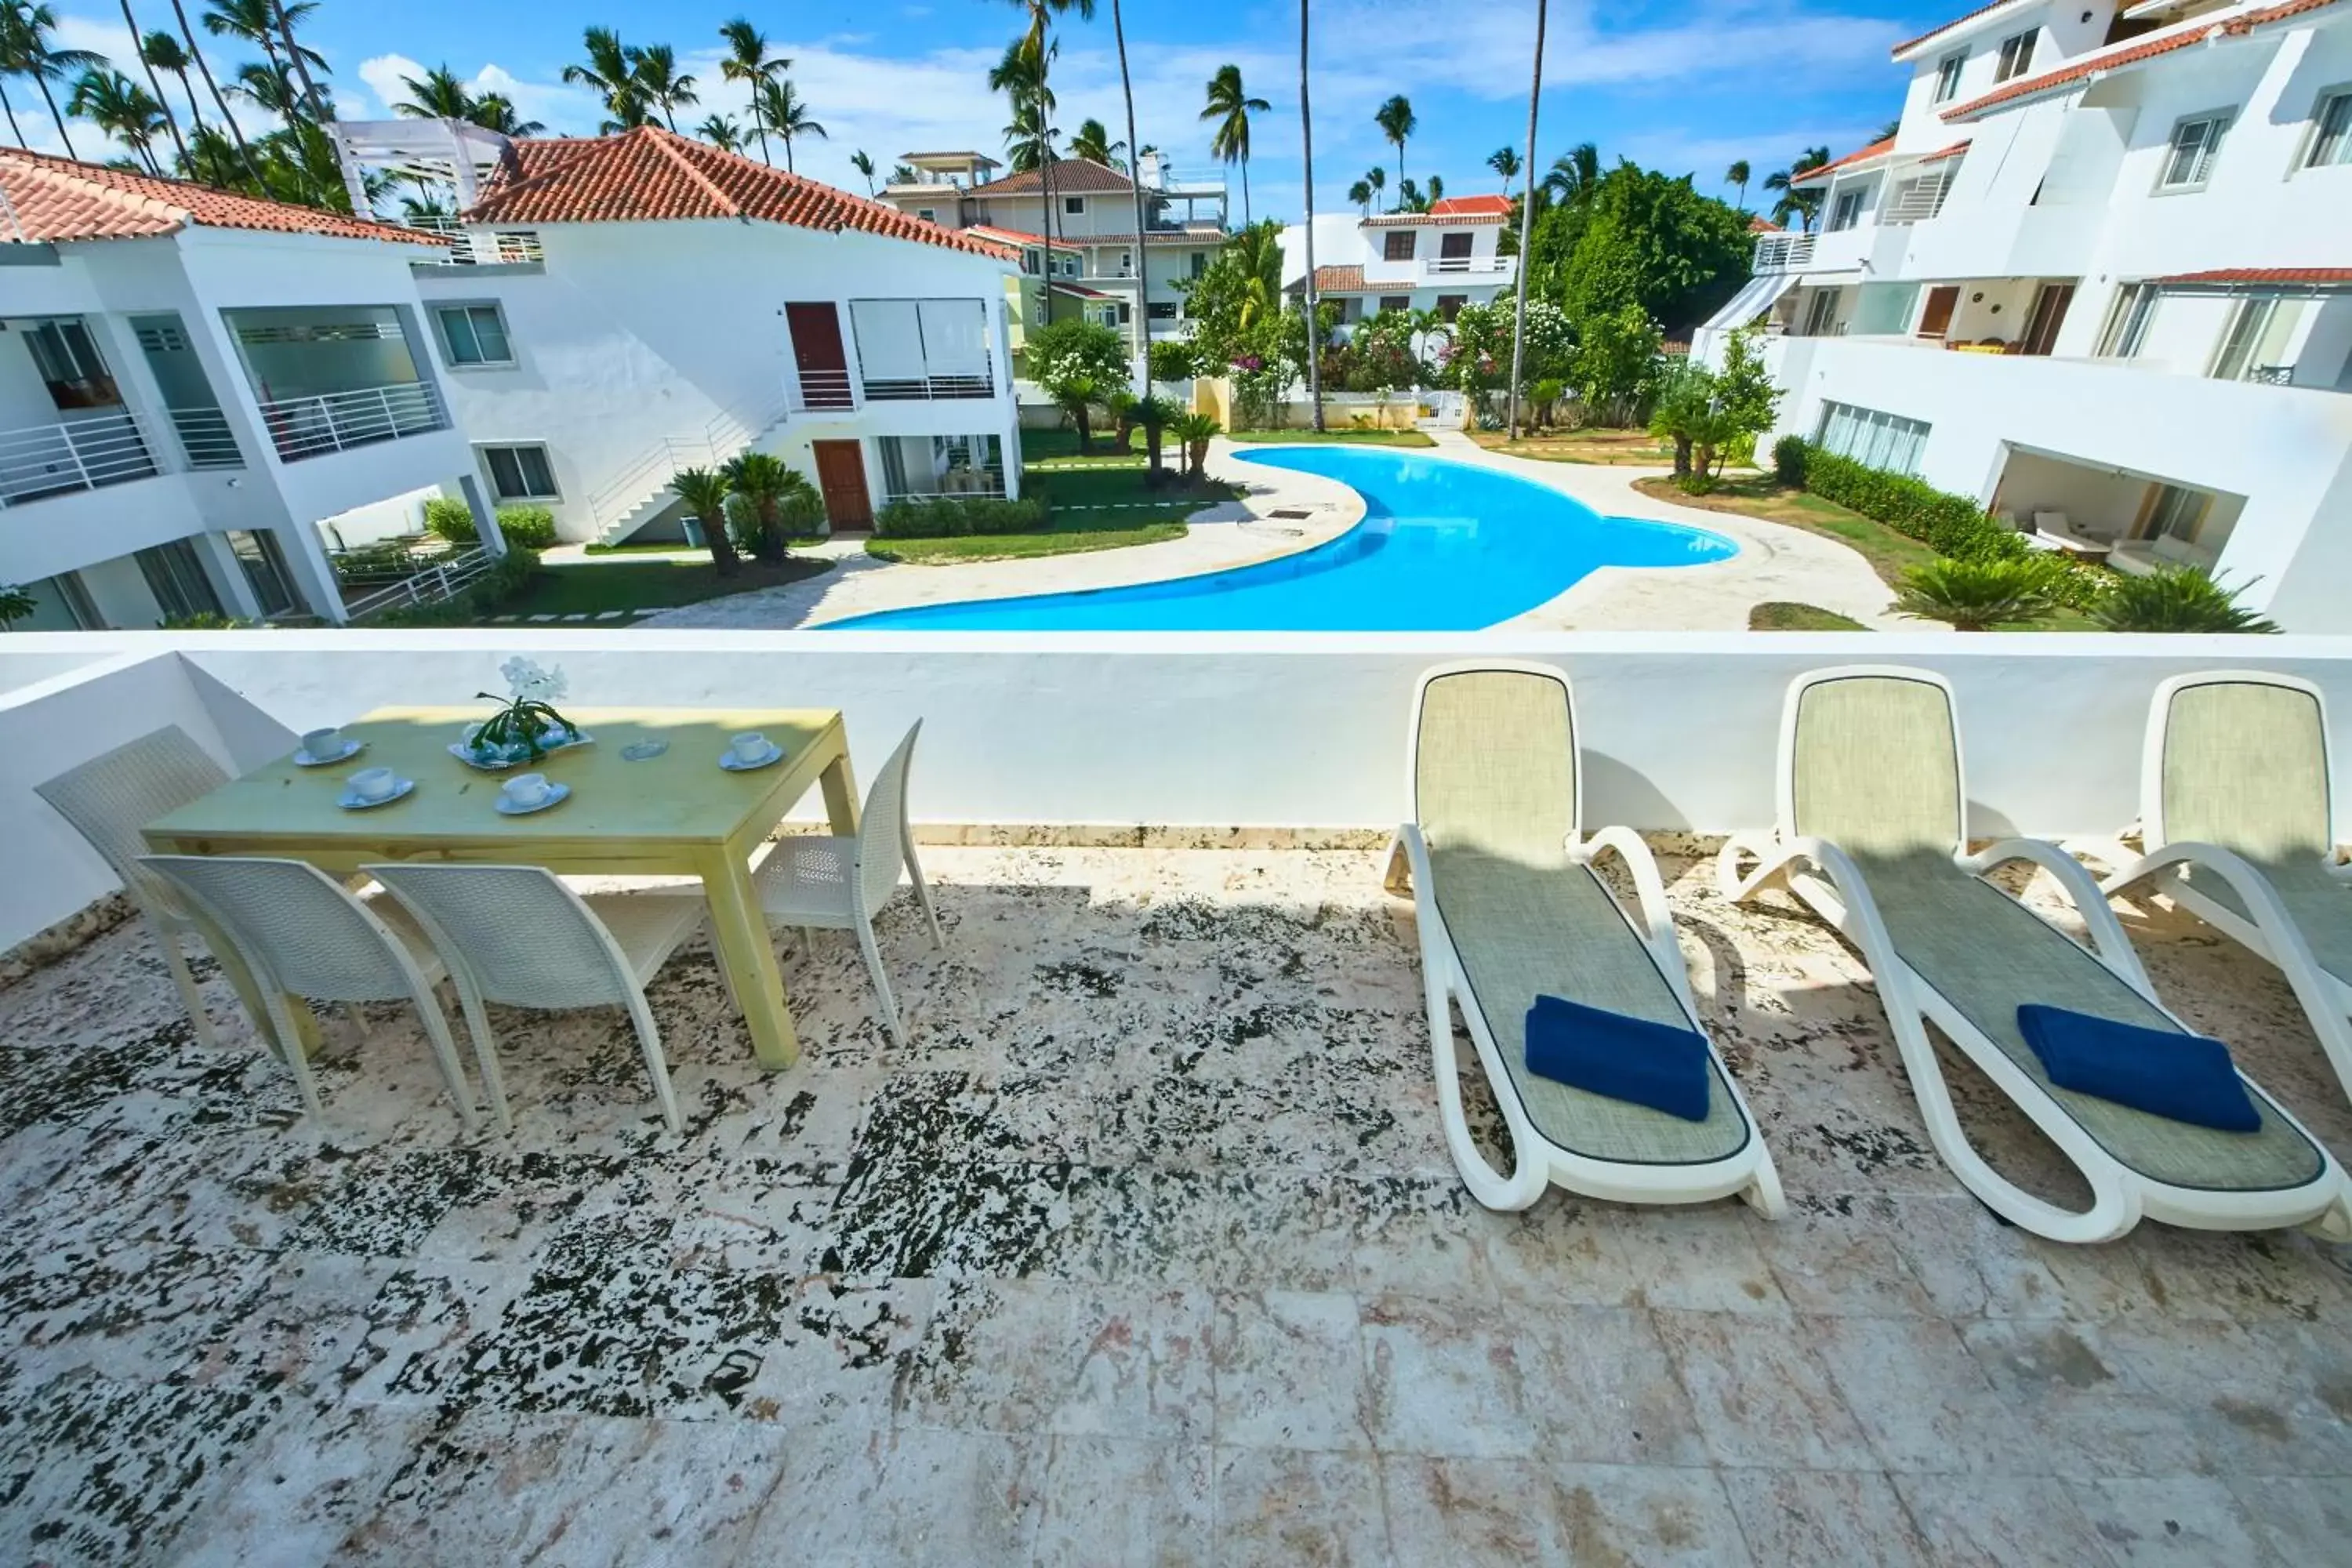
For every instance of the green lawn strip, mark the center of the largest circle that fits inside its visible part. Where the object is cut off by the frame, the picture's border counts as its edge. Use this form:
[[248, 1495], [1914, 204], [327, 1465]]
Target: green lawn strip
[[1059, 449], [581, 588], [1075, 537], [1350, 436], [1632, 448], [671, 546], [1125, 488], [1779, 616]]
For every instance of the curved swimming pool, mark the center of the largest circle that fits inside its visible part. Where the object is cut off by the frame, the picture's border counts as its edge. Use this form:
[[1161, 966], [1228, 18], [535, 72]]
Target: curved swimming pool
[[1443, 546]]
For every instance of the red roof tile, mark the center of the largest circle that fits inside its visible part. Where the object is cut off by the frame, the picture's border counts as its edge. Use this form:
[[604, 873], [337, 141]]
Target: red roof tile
[[2146, 49], [1764, 226], [1018, 236], [1471, 206], [652, 175], [1859, 155], [2324, 277], [1078, 177], [1909, 44], [1345, 281], [61, 199]]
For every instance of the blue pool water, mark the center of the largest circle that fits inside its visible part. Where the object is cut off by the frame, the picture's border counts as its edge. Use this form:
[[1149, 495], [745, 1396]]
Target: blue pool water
[[1443, 546]]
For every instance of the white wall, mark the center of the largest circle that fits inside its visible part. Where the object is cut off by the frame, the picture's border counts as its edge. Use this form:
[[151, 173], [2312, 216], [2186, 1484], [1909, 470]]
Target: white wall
[[1296, 729]]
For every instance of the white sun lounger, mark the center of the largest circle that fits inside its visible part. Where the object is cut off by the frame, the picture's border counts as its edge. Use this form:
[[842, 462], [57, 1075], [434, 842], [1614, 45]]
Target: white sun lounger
[[1871, 836], [1508, 908]]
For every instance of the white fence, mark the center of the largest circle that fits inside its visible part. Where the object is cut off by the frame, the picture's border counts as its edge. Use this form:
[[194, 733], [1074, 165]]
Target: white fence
[[444, 579], [1301, 730]]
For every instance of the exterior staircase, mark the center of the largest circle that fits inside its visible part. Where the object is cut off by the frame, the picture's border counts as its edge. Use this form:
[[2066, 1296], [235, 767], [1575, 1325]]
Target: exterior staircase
[[640, 492]]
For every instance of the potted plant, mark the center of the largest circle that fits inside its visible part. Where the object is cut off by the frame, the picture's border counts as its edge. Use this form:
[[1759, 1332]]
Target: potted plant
[[526, 727]]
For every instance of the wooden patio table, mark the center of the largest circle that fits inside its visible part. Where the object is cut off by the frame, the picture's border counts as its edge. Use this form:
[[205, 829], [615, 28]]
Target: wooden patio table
[[679, 814]]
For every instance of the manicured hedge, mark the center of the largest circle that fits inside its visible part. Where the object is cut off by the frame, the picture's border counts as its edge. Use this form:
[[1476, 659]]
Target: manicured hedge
[[526, 527], [954, 517]]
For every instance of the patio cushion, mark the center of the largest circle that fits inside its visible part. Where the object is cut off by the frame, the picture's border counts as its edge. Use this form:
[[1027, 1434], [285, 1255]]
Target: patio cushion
[[1631, 1059], [2188, 1078], [1988, 955], [1525, 929]]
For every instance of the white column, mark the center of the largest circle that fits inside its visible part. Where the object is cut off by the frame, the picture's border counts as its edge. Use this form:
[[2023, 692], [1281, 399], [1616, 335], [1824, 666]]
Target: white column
[[485, 516], [226, 574]]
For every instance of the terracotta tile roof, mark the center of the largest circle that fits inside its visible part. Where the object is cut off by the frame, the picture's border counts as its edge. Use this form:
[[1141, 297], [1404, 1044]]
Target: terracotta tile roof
[[1095, 241], [1390, 220], [1345, 281], [1019, 237], [1078, 177], [59, 198], [652, 175], [2196, 31], [1764, 226], [1077, 291], [1859, 155], [2284, 277], [1471, 206], [1907, 45]]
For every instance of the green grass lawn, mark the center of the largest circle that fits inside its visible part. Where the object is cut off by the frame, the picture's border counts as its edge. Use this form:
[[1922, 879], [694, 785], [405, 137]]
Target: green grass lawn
[[1590, 444], [1350, 436], [1053, 450], [1780, 616], [1097, 508], [591, 587]]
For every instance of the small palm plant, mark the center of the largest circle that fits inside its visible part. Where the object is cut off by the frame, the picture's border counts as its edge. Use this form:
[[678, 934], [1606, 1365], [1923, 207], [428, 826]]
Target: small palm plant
[[1195, 431], [1981, 596], [705, 495], [1154, 414], [764, 481], [2175, 599], [1120, 406], [15, 604]]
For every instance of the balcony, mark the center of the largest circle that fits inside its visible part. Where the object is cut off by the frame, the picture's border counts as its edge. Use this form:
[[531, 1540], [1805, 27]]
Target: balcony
[[479, 247], [42, 460], [1783, 252], [303, 427], [1148, 1232], [205, 435], [1445, 268]]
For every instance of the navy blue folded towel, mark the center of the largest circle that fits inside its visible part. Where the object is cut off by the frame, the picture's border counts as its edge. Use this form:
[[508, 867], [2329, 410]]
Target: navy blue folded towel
[[1633, 1059], [2162, 1071]]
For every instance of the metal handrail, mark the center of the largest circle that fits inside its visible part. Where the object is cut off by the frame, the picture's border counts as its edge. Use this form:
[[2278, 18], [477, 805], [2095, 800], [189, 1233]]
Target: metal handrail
[[205, 437], [312, 426], [907, 389], [444, 579], [1471, 263], [505, 247], [721, 436], [1783, 252], [42, 460], [824, 392]]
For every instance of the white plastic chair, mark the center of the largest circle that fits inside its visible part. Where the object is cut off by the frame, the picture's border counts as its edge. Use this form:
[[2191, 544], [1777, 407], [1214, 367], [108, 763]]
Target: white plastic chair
[[518, 936], [301, 933], [838, 883], [109, 799]]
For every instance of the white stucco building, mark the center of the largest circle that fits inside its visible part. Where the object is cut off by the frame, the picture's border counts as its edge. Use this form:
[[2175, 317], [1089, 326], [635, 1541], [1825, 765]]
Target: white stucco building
[[1441, 259], [191, 384], [2103, 268]]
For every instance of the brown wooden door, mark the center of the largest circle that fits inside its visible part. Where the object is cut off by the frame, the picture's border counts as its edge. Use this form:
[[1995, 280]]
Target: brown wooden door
[[1938, 316], [2049, 315], [841, 476], [818, 354]]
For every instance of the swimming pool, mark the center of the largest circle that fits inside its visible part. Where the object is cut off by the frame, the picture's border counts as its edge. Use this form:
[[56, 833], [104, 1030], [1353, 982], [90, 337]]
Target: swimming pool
[[1443, 546]]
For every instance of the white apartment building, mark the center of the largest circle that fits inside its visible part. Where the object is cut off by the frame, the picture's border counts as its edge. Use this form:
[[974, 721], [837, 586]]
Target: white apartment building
[[190, 383], [1440, 260], [2104, 268], [1090, 234], [627, 306]]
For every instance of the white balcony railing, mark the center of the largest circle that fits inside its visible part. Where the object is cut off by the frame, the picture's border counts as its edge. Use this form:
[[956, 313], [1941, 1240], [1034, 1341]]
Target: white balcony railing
[[1783, 252], [205, 437], [1455, 266], [468, 247], [312, 426], [824, 392], [444, 579], [77, 454], [906, 389]]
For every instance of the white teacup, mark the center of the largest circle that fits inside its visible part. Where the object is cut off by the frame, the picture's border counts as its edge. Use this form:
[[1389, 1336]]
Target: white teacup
[[374, 784], [525, 789], [320, 744], [750, 747]]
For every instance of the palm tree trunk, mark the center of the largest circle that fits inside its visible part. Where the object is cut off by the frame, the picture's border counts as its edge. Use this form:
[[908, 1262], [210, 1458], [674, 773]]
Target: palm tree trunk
[[237, 132], [1307, 159], [51, 100], [1246, 208], [301, 69], [759, 124], [1527, 212], [1045, 187], [1135, 186], [156, 85], [788, 155], [10, 109]]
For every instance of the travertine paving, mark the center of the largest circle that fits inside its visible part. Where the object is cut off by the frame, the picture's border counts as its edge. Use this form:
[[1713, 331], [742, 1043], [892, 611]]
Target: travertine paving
[[1145, 1250]]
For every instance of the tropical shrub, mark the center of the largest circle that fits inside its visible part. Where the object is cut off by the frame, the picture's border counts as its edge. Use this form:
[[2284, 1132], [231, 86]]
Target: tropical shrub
[[377, 562], [1789, 454], [448, 517], [1154, 414], [1981, 596], [526, 527], [953, 517], [1616, 365], [1949, 524], [15, 604], [1195, 431], [1172, 360], [2175, 599], [705, 494], [1119, 404], [1078, 363], [762, 480], [204, 621], [510, 577], [1545, 395]]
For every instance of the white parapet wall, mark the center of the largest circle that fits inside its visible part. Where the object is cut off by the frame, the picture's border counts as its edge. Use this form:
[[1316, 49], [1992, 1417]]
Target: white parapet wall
[[1281, 731]]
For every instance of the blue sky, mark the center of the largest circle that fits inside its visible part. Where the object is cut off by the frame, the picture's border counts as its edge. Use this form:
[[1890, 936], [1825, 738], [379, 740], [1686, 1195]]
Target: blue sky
[[1684, 87]]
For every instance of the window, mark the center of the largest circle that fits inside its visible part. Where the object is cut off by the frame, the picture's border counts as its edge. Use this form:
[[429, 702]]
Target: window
[[1126, 312], [2016, 57], [1847, 210], [265, 571], [1074, 206], [1454, 247], [2195, 142], [1872, 439], [2127, 324], [1822, 319], [1948, 77], [1395, 302], [474, 335], [2175, 512], [2331, 131], [1127, 264], [1198, 262], [67, 358], [1397, 246], [1162, 310], [1450, 305], [521, 473], [176, 577], [2254, 346], [929, 214]]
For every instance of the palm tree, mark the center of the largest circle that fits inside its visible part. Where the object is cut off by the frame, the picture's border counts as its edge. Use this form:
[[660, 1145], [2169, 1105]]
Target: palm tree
[[788, 116], [1408, 197], [269, 88], [1360, 193], [863, 162], [1504, 161], [1040, 52], [1134, 191], [120, 107], [160, 50], [1575, 174], [611, 73], [1029, 145], [155, 83], [1737, 176], [1397, 122], [655, 71], [494, 112], [722, 132], [196, 57], [1092, 143], [1229, 106], [1888, 131], [1795, 201], [749, 61], [436, 95], [25, 50], [762, 479], [903, 175], [1436, 189], [705, 495], [302, 59], [1378, 179], [1306, 178], [269, 26]]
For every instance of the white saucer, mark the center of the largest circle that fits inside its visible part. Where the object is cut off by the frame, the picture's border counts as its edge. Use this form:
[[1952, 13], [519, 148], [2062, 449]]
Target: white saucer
[[304, 759], [727, 760], [351, 802], [556, 795]]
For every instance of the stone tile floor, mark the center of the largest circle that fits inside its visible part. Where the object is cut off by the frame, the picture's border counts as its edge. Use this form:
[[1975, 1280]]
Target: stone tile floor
[[1144, 1249]]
